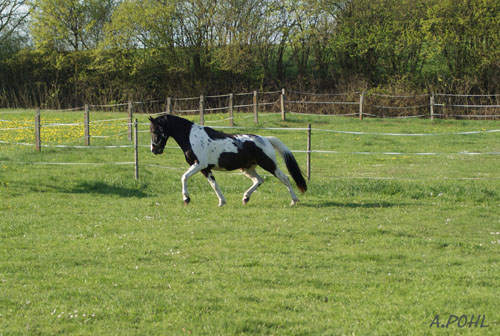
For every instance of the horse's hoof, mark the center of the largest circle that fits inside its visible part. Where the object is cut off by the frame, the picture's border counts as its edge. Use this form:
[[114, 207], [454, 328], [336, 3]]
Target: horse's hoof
[[245, 200], [294, 202], [222, 203], [186, 201]]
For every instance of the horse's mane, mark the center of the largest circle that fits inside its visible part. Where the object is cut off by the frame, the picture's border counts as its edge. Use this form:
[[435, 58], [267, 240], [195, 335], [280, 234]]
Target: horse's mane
[[169, 120]]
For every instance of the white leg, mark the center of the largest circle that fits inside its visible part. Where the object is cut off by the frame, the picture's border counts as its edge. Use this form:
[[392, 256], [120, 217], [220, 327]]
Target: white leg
[[257, 181], [190, 172], [215, 187], [284, 179]]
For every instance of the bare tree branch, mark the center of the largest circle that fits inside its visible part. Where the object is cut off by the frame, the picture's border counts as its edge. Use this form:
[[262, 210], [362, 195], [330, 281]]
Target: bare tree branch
[[12, 14]]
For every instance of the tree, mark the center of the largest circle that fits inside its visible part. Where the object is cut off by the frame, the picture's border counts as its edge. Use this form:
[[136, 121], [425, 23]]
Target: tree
[[465, 34], [69, 25], [12, 15], [380, 39]]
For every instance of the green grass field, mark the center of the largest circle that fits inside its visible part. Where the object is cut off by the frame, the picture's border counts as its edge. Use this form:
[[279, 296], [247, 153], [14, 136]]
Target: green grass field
[[379, 245]]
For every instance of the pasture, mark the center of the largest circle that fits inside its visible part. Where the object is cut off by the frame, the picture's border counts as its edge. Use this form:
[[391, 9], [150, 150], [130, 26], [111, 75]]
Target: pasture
[[385, 239]]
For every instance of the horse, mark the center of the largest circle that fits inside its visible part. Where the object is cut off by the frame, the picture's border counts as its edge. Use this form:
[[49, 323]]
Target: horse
[[206, 149]]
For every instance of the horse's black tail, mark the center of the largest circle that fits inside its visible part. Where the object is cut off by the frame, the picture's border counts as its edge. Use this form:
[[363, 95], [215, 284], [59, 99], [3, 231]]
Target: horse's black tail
[[291, 163]]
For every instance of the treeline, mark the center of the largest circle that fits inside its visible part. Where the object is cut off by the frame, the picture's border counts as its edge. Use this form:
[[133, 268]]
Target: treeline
[[68, 52]]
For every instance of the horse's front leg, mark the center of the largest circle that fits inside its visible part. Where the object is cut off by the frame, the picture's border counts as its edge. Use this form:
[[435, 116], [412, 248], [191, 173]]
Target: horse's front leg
[[211, 179], [196, 167]]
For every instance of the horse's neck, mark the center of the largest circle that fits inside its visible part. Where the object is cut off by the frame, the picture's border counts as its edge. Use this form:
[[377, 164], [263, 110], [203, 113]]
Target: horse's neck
[[179, 130]]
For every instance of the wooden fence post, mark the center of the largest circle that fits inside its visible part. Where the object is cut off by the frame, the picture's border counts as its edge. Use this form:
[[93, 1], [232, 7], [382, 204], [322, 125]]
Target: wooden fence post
[[136, 150], [129, 109], [283, 116], [169, 105], [38, 141], [361, 101], [309, 152], [255, 105], [202, 110], [86, 121], [231, 107], [432, 106]]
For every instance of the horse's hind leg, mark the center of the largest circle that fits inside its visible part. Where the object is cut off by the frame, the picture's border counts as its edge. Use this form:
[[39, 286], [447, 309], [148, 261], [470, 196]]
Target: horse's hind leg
[[284, 179], [211, 179], [270, 165], [256, 179]]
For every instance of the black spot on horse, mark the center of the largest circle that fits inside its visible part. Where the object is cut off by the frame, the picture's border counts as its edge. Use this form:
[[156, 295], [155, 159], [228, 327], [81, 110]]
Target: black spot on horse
[[247, 156], [207, 171], [190, 157], [216, 135]]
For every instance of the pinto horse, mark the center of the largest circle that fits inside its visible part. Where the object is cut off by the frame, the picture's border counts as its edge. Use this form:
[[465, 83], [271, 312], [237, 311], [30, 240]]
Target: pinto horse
[[206, 149]]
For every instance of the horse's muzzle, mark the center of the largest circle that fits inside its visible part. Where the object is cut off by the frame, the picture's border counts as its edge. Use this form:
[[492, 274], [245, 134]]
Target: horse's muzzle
[[156, 150]]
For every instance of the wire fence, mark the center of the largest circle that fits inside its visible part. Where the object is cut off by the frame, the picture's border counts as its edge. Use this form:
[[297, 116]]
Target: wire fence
[[359, 104], [255, 104]]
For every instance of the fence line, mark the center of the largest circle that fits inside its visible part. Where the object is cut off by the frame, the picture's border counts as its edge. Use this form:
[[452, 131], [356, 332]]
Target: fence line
[[398, 117], [17, 121], [468, 106], [238, 173], [398, 107], [308, 151], [469, 115], [275, 129], [321, 102], [68, 163], [186, 98], [406, 134], [467, 95], [396, 96], [218, 96], [17, 128], [322, 94], [284, 102], [113, 105], [66, 146], [294, 150], [337, 107], [73, 109], [324, 115], [395, 153]]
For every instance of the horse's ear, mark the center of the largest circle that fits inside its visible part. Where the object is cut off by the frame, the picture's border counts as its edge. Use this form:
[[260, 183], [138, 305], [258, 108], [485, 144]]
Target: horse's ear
[[151, 119]]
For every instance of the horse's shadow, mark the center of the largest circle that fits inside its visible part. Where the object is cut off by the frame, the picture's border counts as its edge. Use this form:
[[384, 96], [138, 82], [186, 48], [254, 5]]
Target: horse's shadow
[[106, 189], [369, 205], [94, 187]]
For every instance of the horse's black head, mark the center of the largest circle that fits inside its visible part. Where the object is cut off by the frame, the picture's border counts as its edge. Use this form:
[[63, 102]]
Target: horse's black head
[[159, 136]]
